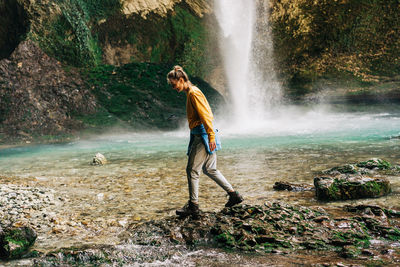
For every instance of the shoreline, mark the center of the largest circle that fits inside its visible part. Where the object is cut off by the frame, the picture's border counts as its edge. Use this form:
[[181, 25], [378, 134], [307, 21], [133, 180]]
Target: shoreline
[[353, 232]]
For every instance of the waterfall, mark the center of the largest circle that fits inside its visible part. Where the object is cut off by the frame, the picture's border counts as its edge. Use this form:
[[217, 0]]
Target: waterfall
[[246, 48]]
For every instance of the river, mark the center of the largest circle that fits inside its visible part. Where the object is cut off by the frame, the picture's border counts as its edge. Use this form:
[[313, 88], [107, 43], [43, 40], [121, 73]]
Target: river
[[145, 175]]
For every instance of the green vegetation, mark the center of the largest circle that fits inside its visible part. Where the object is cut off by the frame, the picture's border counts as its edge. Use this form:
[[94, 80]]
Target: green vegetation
[[347, 39], [138, 95], [79, 34], [180, 37], [341, 188], [334, 191], [375, 163], [69, 37], [191, 34]]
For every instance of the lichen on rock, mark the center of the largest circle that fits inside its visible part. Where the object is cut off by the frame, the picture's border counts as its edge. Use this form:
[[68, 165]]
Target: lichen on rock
[[350, 181], [350, 187], [15, 242]]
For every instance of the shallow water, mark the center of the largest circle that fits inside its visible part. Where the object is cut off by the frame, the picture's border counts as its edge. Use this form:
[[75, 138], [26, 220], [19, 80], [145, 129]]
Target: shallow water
[[145, 175]]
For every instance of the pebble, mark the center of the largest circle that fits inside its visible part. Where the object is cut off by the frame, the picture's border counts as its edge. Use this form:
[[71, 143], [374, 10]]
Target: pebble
[[22, 205]]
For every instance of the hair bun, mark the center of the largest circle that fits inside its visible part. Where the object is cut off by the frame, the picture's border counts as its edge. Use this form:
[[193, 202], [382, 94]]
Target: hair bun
[[177, 67]]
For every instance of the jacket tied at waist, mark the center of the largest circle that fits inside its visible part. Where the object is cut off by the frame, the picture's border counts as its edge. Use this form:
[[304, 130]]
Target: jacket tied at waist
[[201, 131]]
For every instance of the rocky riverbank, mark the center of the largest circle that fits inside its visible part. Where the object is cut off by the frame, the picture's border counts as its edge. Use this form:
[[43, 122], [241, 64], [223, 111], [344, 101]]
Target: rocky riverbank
[[362, 234], [256, 233]]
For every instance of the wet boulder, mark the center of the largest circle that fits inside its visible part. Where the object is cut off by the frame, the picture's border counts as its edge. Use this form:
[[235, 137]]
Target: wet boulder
[[346, 187], [15, 242], [370, 166]]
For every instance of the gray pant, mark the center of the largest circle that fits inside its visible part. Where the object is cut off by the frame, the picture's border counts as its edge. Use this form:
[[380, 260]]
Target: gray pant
[[199, 159]]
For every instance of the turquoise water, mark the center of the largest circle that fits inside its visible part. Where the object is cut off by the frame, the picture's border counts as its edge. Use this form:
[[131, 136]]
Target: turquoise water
[[145, 174]]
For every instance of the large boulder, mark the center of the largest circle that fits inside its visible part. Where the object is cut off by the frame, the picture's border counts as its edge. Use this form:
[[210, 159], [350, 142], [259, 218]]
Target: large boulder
[[355, 180], [347, 187], [15, 242], [370, 166]]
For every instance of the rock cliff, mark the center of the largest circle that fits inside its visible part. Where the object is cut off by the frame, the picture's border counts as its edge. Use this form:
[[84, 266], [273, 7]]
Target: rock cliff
[[38, 96], [42, 90], [162, 7]]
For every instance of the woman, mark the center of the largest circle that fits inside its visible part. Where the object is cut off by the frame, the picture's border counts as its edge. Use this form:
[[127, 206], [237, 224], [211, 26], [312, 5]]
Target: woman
[[203, 143]]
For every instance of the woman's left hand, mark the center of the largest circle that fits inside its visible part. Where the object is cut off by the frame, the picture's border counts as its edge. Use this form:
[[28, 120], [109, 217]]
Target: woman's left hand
[[212, 146]]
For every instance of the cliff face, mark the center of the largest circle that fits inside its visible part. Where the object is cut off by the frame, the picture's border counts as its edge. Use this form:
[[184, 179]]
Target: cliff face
[[117, 32], [347, 38], [162, 7], [42, 89], [37, 96]]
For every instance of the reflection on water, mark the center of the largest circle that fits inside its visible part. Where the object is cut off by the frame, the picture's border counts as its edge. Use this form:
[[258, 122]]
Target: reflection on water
[[145, 177]]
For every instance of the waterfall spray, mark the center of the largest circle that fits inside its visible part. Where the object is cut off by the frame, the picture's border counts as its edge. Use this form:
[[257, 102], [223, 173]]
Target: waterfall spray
[[246, 47]]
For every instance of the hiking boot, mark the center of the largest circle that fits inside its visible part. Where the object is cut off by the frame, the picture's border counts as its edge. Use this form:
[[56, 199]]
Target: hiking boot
[[234, 198], [190, 208]]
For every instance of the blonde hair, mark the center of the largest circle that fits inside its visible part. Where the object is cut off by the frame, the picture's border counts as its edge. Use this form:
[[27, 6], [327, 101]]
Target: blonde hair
[[176, 73]]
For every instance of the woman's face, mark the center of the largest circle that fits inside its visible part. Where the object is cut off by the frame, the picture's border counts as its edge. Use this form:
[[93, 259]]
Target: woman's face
[[178, 85]]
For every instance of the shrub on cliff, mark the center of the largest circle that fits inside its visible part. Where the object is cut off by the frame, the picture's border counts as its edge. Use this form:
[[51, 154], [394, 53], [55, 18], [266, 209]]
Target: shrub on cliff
[[313, 38]]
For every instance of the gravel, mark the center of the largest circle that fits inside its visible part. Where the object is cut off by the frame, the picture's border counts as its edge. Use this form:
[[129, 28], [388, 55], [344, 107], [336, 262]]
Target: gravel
[[27, 206]]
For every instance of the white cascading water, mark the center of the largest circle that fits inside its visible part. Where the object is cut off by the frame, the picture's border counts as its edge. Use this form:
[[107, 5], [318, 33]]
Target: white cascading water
[[246, 48]]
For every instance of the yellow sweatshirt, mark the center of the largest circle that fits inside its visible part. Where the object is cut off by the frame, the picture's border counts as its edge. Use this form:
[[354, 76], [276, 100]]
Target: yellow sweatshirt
[[199, 112]]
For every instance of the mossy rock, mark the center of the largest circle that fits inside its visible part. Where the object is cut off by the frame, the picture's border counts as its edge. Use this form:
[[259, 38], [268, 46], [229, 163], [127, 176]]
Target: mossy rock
[[350, 187], [380, 164], [351, 252], [345, 169], [363, 167], [15, 242]]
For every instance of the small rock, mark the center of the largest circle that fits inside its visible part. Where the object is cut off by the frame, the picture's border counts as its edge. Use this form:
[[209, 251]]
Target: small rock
[[99, 159], [367, 252], [280, 186], [319, 219], [100, 196], [350, 252]]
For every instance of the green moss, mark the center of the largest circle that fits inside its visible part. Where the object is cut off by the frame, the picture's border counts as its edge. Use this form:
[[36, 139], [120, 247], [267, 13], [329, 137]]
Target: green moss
[[346, 169], [360, 240], [394, 234], [101, 9], [180, 36], [226, 238], [139, 96], [334, 190], [68, 36], [344, 39], [375, 163], [17, 242], [191, 32], [375, 188]]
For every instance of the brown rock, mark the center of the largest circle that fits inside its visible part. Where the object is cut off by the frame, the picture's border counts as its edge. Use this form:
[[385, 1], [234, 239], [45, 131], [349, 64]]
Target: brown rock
[[37, 95]]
